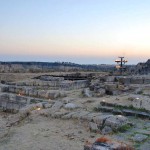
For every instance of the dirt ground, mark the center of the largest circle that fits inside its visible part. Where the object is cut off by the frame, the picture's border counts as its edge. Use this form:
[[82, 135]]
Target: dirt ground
[[40, 133]]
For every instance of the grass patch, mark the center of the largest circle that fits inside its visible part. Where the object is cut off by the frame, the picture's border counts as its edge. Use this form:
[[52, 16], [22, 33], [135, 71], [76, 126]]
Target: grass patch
[[119, 107], [123, 128]]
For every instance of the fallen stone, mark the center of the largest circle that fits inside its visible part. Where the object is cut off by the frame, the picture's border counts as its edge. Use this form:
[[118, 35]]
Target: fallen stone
[[139, 138], [106, 144], [125, 80], [105, 109], [58, 114], [110, 78], [93, 127], [57, 105], [69, 115], [68, 100], [70, 106], [137, 80], [100, 92], [100, 120], [83, 114], [90, 116], [45, 112], [146, 132], [47, 105], [86, 93], [116, 122], [106, 130]]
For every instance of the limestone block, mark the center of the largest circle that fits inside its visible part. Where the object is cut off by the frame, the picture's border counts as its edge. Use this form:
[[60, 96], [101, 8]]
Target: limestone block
[[93, 126], [116, 122], [70, 106], [101, 92], [110, 87], [125, 80], [137, 80], [139, 137], [86, 93], [69, 115], [90, 116], [42, 93], [146, 80], [12, 89], [110, 78], [4, 89], [106, 130], [59, 114], [99, 120], [56, 107]]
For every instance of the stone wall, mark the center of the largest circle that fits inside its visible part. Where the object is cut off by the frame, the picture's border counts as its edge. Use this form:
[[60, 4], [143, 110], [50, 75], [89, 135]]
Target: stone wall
[[142, 68], [12, 103], [53, 84]]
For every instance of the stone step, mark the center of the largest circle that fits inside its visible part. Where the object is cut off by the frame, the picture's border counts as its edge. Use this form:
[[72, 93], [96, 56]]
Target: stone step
[[147, 132], [105, 109], [126, 112], [103, 103], [119, 106]]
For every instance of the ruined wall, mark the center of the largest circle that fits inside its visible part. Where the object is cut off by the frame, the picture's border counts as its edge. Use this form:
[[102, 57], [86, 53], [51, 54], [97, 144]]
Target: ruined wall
[[142, 68]]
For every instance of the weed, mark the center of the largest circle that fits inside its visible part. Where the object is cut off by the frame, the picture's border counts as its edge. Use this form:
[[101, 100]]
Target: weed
[[123, 128]]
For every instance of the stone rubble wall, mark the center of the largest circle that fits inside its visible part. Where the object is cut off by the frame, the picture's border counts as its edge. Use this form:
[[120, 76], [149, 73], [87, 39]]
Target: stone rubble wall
[[51, 78], [115, 85], [31, 92], [134, 80], [126, 79], [59, 85], [12, 103]]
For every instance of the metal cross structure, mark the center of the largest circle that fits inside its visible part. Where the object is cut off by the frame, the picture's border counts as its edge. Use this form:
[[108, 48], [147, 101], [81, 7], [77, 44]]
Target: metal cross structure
[[121, 62]]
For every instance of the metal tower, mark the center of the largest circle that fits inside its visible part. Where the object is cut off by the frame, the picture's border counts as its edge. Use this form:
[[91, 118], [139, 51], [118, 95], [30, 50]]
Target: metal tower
[[120, 64]]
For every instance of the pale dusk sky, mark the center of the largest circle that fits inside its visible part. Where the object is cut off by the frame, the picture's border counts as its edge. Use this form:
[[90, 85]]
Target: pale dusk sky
[[80, 31]]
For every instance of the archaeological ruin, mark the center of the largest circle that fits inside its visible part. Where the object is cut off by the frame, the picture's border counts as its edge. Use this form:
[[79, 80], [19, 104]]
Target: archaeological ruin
[[114, 109]]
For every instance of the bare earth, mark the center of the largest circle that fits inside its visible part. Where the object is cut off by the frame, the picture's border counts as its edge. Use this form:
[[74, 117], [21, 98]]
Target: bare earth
[[40, 133]]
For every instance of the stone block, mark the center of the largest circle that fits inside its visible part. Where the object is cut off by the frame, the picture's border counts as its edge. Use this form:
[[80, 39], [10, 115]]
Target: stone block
[[139, 137], [116, 122], [93, 127], [110, 78], [124, 80], [146, 81], [137, 80], [100, 120]]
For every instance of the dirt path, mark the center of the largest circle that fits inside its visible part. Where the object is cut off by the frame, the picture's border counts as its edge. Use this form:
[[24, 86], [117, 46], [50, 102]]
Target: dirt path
[[39, 133]]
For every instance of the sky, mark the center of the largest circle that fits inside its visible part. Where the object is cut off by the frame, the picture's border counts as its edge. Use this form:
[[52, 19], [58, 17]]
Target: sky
[[79, 31]]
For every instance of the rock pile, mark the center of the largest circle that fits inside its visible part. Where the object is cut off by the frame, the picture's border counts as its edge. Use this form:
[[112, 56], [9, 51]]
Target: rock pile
[[104, 143]]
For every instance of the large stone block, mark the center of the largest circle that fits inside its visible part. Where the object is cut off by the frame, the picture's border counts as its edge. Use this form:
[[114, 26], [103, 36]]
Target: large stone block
[[137, 80], [110, 87], [99, 120], [146, 80], [110, 78], [124, 80], [116, 122]]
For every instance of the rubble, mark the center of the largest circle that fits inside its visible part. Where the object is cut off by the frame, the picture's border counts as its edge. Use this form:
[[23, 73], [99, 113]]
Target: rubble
[[104, 143]]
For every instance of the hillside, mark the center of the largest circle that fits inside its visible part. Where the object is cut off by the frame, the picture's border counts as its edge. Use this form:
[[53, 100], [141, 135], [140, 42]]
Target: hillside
[[15, 67]]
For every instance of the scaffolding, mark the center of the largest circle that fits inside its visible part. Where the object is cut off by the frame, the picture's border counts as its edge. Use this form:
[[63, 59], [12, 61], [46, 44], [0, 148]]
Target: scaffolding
[[121, 64]]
